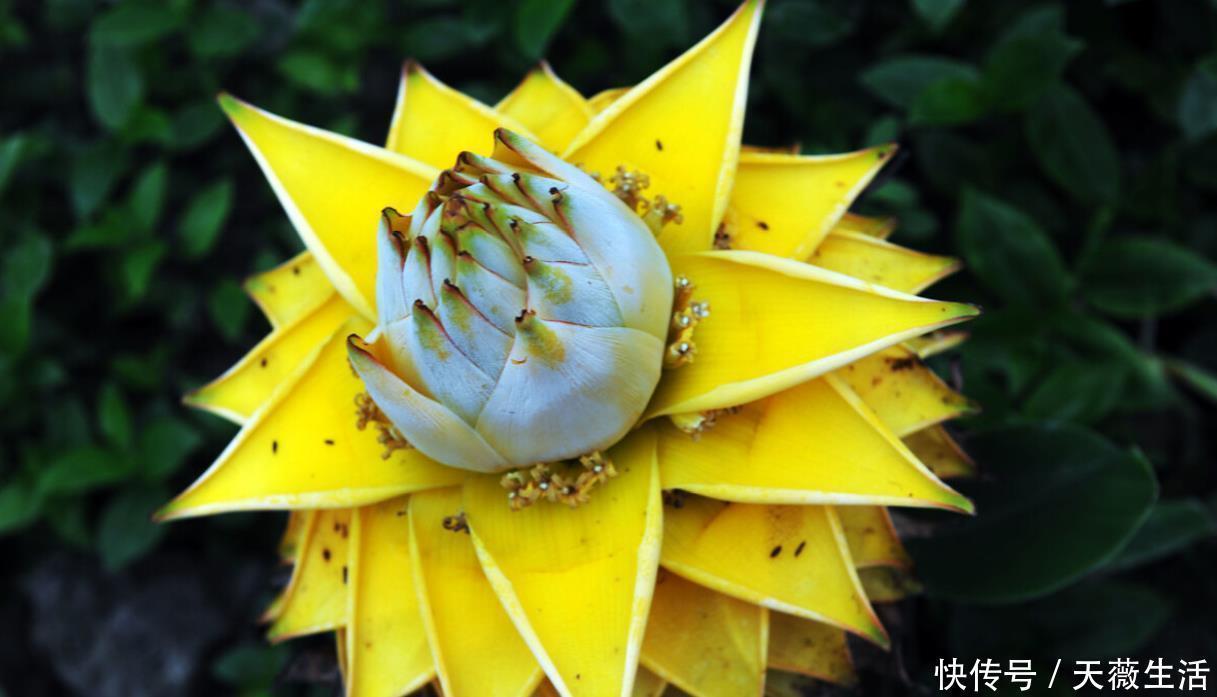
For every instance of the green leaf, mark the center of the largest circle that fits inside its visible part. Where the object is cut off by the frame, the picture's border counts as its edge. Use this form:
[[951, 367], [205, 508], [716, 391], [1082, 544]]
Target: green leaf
[[536, 21], [138, 265], [1140, 276], [1100, 620], [1057, 501], [1197, 111], [949, 102], [229, 308], [164, 444], [94, 173], [1170, 527], [250, 666], [133, 24], [26, 267], [19, 506], [148, 195], [318, 72], [1073, 146], [82, 470], [11, 150], [900, 80], [126, 531], [195, 124], [113, 417], [437, 38], [937, 14], [1194, 377], [204, 216], [115, 86], [1009, 253], [1029, 58], [1081, 391], [810, 23], [222, 31]]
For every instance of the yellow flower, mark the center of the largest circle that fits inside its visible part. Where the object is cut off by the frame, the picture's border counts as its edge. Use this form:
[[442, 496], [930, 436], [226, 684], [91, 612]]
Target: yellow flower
[[751, 399]]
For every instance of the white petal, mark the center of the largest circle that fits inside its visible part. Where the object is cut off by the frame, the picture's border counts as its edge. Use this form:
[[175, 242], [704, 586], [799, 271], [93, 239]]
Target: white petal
[[574, 390], [428, 425]]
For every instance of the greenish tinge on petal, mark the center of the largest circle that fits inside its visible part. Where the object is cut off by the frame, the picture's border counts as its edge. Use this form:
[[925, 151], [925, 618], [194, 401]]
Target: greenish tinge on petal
[[525, 300]]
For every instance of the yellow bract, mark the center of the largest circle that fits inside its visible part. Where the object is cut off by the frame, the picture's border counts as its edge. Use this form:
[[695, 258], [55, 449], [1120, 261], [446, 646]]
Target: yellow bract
[[238, 393], [647, 129], [303, 450], [477, 650], [903, 392], [871, 537], [332, 188], [290, 290], [433, 123], [705, 643], [577, 582], [939, 451], [386, 645], [792, 559], [775, 323], [548, 107], [785, 204], [766, 453], [810, 648], [315, 598], [882, 263]]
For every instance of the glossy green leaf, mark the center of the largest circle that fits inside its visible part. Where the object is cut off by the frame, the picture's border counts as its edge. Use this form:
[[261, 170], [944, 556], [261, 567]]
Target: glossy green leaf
[[1073, 146], [113, 416], [20, 505], [222, 30], [115, 86], [134, 23], [138, 265], [1056, 502], [164, 444], [937, 14], [11, 150], [1008, 252], [535, 23], [229, 308], [1171, 527], [81, 470], [1029, 57], [900, 80], [1101, 620], [1080, 391], [205, 215], [1141, 276], [1197, 111], [126, 530], [148, 195], [1195, 377]]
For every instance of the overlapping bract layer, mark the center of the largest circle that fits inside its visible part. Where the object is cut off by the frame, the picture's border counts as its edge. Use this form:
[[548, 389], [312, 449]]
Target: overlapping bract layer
[[519, 297]]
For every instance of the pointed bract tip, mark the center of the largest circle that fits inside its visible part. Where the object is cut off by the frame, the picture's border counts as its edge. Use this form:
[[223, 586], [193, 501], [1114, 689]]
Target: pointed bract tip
[[411, 66], [232, 106]]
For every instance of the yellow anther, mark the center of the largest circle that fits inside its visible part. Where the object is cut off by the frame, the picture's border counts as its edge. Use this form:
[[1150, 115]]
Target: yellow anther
[[367, 412], [541, 482], [660, 212], [628, 186], [679, 353], [697, 423]]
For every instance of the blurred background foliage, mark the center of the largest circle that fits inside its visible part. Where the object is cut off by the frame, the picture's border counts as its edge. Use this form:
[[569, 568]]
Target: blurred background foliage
[[1066, 151]]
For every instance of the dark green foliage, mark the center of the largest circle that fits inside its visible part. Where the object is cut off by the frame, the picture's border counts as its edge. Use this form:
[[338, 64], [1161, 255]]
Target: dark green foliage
[[1066, 151]]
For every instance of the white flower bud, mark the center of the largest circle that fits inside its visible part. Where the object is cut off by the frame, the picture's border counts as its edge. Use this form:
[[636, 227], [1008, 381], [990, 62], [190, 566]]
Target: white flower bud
[[523, 313]]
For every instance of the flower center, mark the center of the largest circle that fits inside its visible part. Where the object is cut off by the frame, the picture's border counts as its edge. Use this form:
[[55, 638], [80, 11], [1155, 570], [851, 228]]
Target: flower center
[[525, 317]]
